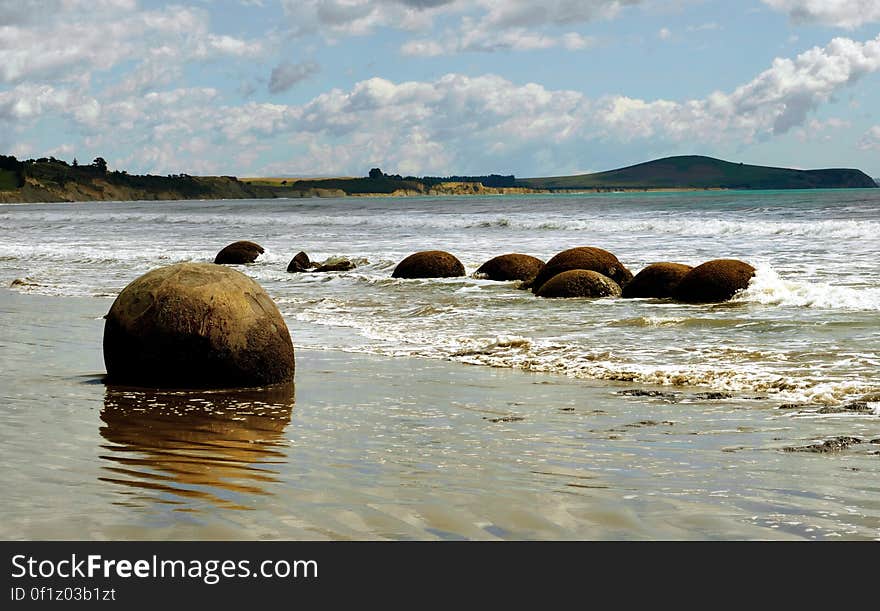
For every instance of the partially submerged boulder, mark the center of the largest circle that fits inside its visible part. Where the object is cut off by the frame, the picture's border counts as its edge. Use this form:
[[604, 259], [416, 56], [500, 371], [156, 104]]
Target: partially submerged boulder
[[586, 258], [658, 280], [579, 283], [335, 265], [513, 266], [714, 281], [300, 263], [196, 325], [239, 252], [429, 264]]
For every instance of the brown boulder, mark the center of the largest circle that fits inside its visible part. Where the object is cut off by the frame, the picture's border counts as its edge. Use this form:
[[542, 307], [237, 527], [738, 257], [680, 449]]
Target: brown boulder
[[714, 281], [239, 252], [657, 280], [513, 266], [583, 257], [335, 264], [300, 263], [429, 264], [579, 283], [196, 325]]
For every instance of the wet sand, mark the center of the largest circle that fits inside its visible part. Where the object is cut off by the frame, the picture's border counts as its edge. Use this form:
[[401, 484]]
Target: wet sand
[[375, 447]]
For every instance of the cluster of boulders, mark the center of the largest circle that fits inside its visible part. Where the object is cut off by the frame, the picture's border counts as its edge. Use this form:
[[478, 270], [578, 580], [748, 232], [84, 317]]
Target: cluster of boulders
[[197, 325], [587, 271], [243, 251]]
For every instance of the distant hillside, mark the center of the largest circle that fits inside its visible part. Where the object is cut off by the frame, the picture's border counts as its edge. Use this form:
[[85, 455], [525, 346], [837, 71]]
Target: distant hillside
[[696, 172]]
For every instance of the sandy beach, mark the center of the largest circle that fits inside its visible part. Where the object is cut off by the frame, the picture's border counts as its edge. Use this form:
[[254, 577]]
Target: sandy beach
[[398, 448]]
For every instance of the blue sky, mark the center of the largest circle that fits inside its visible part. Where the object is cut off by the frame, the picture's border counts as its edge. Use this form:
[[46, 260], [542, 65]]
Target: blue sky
[[335, 87]]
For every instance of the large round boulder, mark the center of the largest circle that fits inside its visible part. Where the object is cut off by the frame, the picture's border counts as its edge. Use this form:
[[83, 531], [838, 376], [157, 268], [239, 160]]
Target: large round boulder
[[714, 281], [196, 325], [583, 257], [579, 283], [513, 266], [239, 252], [658, 280], [429, 264]]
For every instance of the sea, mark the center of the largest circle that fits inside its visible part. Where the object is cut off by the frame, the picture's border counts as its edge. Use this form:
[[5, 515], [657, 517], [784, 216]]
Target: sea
[[458, 408]]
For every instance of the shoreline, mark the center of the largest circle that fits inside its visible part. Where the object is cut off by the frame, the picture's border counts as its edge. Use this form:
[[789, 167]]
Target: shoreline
[[414, 195]]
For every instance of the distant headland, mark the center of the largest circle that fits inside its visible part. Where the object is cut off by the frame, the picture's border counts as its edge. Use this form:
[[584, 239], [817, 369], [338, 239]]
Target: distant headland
[[55, 180]]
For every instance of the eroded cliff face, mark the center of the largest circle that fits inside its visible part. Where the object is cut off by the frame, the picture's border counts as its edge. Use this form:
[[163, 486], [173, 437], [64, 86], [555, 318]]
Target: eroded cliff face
[[217, 187], [476, 188], [101, 189]]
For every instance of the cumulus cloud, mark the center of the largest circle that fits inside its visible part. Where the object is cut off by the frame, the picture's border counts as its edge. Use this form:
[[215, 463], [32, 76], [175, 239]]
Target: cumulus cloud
[[840, 13], [29, 101], [78, 38], [772, 103], [286, 74], [358, 17], [484, 25]]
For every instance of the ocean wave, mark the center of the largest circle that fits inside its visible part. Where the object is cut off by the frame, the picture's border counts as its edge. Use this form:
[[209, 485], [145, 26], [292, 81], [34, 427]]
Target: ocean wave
[[293, 218], [717, 368], [769, 288]]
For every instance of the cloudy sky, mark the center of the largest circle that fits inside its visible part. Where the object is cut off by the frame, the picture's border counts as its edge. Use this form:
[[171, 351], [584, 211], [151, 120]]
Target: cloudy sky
[[534, 88]]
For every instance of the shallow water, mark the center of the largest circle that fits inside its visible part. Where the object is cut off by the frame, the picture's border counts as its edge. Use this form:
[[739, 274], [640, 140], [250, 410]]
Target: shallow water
[[380, 444]]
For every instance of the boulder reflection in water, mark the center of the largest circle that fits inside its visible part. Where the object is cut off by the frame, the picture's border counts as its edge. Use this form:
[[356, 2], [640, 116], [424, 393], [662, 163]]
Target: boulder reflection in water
[[186, 448]]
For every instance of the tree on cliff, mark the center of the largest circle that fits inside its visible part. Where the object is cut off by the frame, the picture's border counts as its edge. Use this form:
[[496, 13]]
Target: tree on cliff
[[376, 173], [100, 164]]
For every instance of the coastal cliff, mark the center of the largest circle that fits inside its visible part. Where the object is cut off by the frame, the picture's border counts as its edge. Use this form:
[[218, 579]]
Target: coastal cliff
[[53, 180]]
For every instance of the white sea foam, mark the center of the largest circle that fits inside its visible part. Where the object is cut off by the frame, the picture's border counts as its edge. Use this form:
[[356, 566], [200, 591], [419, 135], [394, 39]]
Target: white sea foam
[[768, 288]]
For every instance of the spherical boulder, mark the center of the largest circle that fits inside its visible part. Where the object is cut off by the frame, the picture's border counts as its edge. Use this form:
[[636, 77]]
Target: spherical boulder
[[658, 280], [196, 325], [513, 266], [583, 257], [429, 264], [239, 252], [579, 283], [714, 281]]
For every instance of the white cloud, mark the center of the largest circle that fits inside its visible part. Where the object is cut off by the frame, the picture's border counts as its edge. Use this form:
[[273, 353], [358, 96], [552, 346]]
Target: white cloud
[[78, 38], [775, 101], [484, 26], [664, 34], [870, 141], [821, 131], [358, 17], [840, 13], [487, 41], [28, 101]]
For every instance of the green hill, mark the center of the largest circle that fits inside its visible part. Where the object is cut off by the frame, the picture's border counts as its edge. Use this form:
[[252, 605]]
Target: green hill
[[697, 172]]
